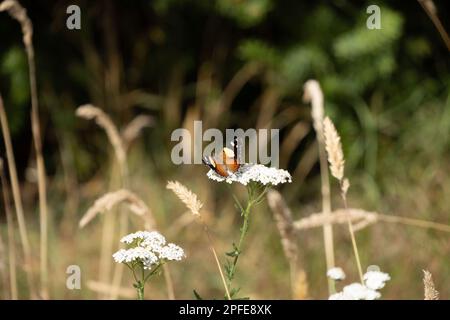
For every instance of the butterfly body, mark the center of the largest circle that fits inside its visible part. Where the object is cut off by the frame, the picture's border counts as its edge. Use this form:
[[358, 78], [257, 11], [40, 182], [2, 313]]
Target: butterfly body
[[226, 162]]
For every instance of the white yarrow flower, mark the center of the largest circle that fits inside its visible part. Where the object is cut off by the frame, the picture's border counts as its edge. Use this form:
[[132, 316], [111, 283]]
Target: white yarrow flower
[[147, 257], [254, 172], [336, 274], [144, 237], [172, 252], [359, 292], [149, 248], [375, 280], [372, 294], [154, 241]]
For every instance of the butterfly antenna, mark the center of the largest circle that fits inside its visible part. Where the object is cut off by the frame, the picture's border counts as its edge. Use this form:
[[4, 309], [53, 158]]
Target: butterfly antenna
[[236, 149]]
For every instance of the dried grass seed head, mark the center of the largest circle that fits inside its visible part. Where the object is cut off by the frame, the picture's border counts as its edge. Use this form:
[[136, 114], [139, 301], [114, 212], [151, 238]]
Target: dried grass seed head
[[186, 196], [111, 199], [91, 112], [334, 149], [430, 291], [313, 94]]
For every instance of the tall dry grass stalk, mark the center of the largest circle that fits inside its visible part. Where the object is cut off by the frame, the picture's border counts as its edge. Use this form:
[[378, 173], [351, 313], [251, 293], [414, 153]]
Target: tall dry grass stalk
[[169, 282], [339, 216], [430, 291], [106, 250], [109, 200], [120, 143], [361, 219], [284, 222], [430, 9], [20, 14], [123, 229], [313, 94], [300, 288], [17, 196], [11, 240], [91, 112], [5, 294], [336, 160], [414, 222], [134, 128], [11, 237], [108, 235], [192, 202]]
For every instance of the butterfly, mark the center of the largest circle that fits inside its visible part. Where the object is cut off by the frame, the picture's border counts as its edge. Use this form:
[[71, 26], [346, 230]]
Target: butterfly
[[226, 162]]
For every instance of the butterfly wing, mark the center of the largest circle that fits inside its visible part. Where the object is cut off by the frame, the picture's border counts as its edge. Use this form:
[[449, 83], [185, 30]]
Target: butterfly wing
[[232, 156], [226, 162]]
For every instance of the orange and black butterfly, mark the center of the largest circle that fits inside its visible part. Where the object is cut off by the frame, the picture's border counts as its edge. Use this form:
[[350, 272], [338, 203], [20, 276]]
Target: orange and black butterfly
[[226, 162]]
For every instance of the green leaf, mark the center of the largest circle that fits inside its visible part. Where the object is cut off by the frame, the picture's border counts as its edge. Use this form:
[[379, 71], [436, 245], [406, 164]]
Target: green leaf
[[234, 291], [259, 51], [361, 41], [197, 296], [233, 253], [246, 13]]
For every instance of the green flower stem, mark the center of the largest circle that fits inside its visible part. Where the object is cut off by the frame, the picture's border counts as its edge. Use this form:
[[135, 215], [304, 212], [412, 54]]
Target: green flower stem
[[253, 198], [140, 284], [156, 269], [238, 249], [140, 290]]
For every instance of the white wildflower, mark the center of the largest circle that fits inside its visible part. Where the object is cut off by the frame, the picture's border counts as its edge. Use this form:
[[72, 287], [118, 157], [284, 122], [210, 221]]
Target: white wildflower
[[149, 248], [372, 294], [154, 241], [172, 252], [376, 280], [336, 274], [144, 238], [359, 292], [143, 255], [254, 172]]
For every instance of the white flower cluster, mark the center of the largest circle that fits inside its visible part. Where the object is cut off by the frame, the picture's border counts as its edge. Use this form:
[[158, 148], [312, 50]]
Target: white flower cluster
[[376, 280], [356, 291], [336, 274], [150, 248], [147, 257], [373, 281], [254, 172]]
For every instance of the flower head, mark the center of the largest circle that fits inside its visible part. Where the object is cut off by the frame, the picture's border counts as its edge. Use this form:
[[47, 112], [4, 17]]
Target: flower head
[[360, 292], [148, 248], [336, 274], [131, 255], [375, 280], [144, 238], [172, 252], [254, 172]]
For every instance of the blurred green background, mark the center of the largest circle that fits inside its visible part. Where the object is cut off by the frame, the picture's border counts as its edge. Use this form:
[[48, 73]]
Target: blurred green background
[[239, 64]]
